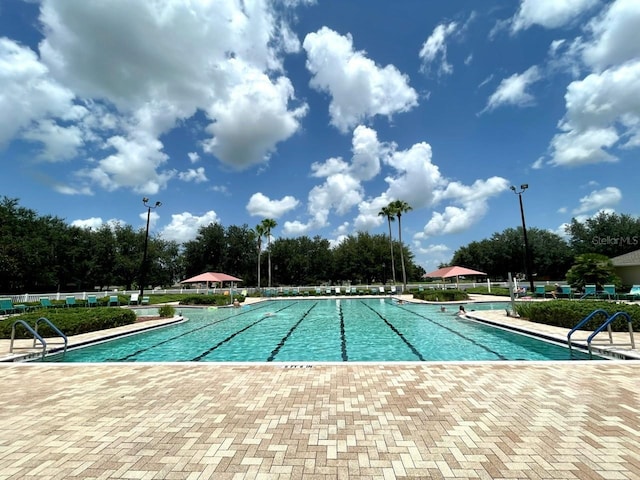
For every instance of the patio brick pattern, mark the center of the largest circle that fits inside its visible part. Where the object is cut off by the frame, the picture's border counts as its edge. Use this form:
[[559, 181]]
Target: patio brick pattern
[[500, 420]]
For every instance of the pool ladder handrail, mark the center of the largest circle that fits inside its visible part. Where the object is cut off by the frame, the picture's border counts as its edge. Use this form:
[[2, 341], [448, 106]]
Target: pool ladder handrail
[[606, 324], [36, 336]]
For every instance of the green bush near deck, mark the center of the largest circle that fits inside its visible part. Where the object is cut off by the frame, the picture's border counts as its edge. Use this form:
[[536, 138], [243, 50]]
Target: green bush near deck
[[166, 311], [567, 313], [441, 295], [209, 299], [70, 321], [499, 291]]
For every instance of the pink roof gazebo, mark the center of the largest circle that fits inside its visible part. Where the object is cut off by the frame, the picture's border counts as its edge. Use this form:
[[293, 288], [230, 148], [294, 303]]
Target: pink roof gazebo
[[208, 277]]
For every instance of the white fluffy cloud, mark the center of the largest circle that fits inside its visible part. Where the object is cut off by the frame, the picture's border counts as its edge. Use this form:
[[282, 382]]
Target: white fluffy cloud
[[435, 46], [549, 13], [513, 90], [122, 80], [185, 226], [262, 206], [359, 88], [599, 199], [195, 175]]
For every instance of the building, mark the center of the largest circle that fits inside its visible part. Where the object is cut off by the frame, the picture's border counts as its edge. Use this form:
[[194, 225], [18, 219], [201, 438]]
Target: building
[[628, 267]]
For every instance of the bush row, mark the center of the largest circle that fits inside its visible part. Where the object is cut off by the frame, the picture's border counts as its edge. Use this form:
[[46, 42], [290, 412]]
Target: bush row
[[568, 313], [70, 321], [441, 295], [209, 299]]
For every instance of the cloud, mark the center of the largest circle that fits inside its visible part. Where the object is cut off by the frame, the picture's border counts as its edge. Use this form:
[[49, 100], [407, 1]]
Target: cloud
[[513, 90], [602, 109], [469, 206], [184, 226], [114, 85], [262, 206], [435, 47], [549, 13], [599, 199], [193, 157], [359, 89], [196, 175], [93, 222]]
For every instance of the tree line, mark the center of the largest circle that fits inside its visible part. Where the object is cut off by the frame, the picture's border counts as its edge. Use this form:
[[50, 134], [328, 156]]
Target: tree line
[[44, 253], [607, 234]]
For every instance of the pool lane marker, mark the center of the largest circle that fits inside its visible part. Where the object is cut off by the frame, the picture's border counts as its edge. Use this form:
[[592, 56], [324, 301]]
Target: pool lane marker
[[222, 342], [286, 337], [397, 332], [343, 337], [470, 340], [142, 350]]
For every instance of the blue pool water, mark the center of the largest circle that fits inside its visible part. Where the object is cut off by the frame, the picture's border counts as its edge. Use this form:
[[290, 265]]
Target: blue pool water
[[323, 330]]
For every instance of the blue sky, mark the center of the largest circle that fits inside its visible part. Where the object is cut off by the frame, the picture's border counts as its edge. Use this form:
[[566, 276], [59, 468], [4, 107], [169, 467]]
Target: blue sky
[[317, 114]]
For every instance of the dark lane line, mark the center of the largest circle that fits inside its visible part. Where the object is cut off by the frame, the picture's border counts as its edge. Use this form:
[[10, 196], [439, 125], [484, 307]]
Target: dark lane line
[[142, 350], [397, 332], [202, 355], [286, 337], [343, 338], [471, 340]]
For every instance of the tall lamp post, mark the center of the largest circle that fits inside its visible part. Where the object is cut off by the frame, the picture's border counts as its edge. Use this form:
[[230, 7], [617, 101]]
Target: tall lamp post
[[527, 254], [143, 267]]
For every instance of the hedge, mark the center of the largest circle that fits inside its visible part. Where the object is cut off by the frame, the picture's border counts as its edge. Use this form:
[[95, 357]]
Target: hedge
[[441, 295]]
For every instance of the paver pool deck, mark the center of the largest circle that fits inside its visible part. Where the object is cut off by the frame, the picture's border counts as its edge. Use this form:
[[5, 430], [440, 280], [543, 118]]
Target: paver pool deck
[[462, 420]]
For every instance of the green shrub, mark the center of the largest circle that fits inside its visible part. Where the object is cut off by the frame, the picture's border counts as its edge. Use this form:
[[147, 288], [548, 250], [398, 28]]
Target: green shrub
[[70, 321], [567, 313], [441, 295], [166, 311]]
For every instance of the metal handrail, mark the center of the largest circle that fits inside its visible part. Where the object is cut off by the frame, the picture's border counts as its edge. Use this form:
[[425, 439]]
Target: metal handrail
[[607, 324], [55, 329], [583, 321], [30, 330]]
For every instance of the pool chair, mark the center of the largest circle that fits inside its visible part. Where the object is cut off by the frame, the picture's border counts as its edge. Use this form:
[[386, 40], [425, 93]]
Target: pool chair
[[327, 291], [114, 301], [540, 291], [634, 293], [609, 291], [589, 291], [70, 301], [92, 301], [337, 291], [381, 290], [133, 300], [392, 291], [318, 292], [144, 301], [7, 306], [45, 302]]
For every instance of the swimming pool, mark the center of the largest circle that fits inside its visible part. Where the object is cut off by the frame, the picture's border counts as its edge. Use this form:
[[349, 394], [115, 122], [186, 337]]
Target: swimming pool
[[336, 330]]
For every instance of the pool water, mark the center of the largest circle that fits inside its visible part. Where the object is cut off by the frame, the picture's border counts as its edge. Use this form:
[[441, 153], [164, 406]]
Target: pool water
[[337, 330]]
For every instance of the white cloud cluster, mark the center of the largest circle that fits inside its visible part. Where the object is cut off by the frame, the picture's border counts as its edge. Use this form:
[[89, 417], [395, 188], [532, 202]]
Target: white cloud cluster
[[513, 90], [115, 75], [549, 13], [603, 109], [435, 46], [599, 199], [262, 206], [185, 226], [359, 88]]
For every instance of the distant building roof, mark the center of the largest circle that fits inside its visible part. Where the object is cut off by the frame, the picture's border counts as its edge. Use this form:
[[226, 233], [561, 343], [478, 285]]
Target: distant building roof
[[630, 259]]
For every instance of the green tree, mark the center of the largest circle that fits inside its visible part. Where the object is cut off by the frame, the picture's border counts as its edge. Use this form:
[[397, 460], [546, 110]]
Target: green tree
[[398, 207], [592, 269], [608, 234], [269, 224], [390, 215]]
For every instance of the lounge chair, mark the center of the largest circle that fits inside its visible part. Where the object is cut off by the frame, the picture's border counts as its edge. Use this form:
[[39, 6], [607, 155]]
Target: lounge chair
[[392, 291], [45, 302], [337, 290], [92, 301], [609, 291], [144, 301], [114, 301], [633, 294], [133, 300], [318, 292], [589, 290], [70, 301], [540, 291], [7, 306], [381, 290]]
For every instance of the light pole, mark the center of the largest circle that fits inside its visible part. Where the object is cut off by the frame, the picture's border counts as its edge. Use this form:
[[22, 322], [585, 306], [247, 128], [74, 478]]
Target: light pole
[[143, 267], [527, 255]]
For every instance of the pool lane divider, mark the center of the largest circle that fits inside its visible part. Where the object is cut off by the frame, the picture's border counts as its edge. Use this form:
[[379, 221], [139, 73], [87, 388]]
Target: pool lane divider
[[397, 332], [343, 337], [156, 345], [230, 337], [286, 337], [468, 339]]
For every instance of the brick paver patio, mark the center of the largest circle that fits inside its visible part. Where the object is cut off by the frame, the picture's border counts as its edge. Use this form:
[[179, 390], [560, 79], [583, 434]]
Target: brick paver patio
[[511, 420]]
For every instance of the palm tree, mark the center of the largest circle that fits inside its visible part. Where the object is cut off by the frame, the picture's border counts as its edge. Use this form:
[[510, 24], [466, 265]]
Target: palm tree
[[259, 231], [268, 224], [398, 207], [387, 212]]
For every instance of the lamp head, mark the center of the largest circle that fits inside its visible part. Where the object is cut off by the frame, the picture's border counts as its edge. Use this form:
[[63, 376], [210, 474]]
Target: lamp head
[[512, 188], [158, 204], [145, 200], [524, 186]]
